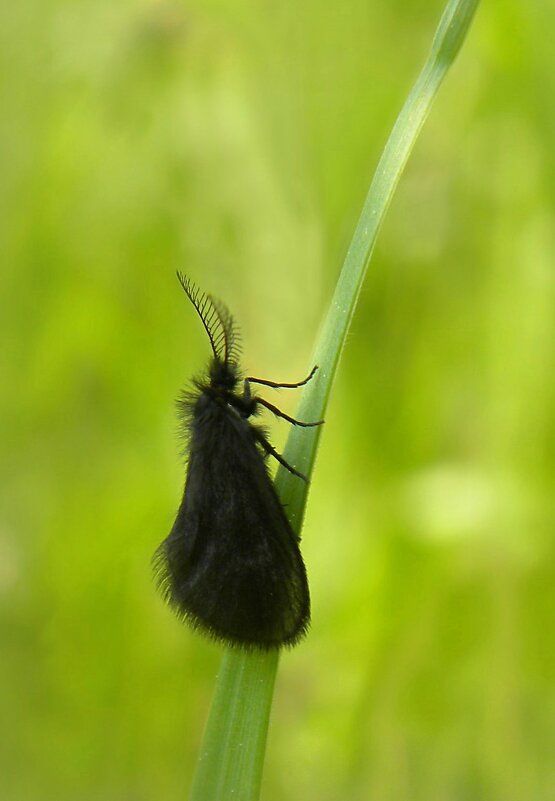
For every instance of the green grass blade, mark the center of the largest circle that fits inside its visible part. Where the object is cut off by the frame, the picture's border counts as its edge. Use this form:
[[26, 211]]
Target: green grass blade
[[232, 756], [302, 445]]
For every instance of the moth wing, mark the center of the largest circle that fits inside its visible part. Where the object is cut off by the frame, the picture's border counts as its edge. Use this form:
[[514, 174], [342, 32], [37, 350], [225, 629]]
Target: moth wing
[[231, 564]]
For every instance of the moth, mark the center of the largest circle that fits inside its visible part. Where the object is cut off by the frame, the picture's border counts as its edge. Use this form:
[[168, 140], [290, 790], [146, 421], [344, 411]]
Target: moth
[[231, 565]]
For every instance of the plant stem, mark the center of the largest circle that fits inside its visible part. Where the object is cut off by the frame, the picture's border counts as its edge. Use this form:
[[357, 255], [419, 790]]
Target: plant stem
[[232, 756]]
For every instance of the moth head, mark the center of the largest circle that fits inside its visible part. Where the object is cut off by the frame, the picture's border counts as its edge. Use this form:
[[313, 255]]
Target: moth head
[[223, 375]]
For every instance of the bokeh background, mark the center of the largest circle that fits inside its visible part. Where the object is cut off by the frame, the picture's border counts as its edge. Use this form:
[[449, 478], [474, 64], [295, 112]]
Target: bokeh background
[[235, 140]]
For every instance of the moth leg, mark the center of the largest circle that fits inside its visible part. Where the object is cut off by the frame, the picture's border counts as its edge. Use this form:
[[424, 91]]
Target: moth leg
[[279, 413], [271, 451], [276, 385]]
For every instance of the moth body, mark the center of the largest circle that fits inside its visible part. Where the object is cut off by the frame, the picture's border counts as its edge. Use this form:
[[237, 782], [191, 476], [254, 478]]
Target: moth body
[[231, 564]]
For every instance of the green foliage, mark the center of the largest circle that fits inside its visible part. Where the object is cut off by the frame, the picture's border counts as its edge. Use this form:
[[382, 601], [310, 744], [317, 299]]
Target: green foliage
[[236, 141]]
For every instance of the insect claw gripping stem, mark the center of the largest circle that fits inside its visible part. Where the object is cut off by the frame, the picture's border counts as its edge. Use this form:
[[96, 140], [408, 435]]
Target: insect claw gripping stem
[[276, 385], [279, 413], [271, 451]]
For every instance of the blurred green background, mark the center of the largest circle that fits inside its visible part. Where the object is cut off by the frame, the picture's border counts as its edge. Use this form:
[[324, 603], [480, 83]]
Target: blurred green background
[[235, 140]]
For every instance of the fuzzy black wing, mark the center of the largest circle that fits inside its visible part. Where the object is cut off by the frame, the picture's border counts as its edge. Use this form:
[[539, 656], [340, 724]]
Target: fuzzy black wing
[[231, 564]]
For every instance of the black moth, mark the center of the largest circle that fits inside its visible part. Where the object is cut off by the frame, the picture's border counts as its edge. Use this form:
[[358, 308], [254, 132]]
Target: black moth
[[231, 565]]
